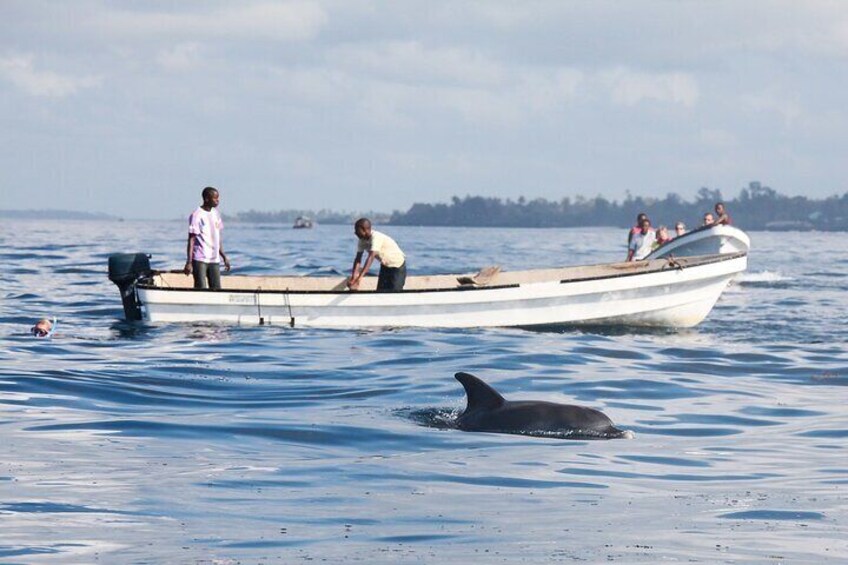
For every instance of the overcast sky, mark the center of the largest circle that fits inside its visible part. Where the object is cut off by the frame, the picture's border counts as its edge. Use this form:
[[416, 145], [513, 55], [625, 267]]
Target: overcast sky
[[133, 107]]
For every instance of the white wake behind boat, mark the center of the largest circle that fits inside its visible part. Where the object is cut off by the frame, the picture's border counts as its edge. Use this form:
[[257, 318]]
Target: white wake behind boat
[[661, 293], [706, 240]]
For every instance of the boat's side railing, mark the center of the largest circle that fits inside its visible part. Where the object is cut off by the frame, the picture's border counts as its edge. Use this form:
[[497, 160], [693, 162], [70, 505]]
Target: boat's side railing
[[503, 280]]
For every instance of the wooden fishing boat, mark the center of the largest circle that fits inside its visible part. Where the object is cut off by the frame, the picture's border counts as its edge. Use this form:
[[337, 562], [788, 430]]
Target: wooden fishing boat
[[661, 292]]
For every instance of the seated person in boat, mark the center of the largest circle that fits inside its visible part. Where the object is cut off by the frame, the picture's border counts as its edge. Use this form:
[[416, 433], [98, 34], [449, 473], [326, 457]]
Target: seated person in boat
[[708, 219], [383, 248], [205, 249], [638, 227], [679, 229], [642, 242], [722, 217], [662, 236]]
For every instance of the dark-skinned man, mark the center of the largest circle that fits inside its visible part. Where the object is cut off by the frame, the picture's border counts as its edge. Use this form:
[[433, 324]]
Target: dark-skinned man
[[383, 248], [205, 250]]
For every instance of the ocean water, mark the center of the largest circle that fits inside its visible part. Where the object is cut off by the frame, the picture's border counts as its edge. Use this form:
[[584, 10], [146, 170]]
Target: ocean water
[[199, 443]]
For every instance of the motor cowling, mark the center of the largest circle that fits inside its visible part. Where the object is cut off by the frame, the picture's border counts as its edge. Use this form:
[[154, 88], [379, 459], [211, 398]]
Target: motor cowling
[[125, 270]]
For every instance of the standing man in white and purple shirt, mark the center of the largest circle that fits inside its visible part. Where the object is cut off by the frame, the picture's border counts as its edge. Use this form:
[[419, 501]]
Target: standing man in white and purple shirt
[[205, 250]]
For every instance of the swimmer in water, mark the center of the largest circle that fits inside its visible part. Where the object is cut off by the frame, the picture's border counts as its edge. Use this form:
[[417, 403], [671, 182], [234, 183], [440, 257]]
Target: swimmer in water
[[42, 328]]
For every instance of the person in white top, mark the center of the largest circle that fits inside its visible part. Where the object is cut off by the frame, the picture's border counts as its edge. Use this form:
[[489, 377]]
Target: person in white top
[[205, 250], [383, 248], [642, 242]]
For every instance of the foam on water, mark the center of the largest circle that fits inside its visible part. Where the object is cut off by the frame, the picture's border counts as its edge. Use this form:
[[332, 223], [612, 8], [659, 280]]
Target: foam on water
[[762, 277]]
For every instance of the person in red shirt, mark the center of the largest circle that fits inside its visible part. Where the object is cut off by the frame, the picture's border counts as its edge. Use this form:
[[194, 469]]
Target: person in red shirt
[[642, 216]]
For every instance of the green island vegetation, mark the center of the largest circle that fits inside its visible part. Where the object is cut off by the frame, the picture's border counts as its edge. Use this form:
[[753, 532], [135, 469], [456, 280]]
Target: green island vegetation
[[757, 207]]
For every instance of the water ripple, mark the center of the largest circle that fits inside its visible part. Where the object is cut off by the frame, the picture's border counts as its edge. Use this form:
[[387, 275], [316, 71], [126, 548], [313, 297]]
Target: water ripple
[[203, 442]]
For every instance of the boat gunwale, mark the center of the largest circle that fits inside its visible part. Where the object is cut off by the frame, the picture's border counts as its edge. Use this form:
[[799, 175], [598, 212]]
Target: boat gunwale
[[715, 258], [681, 240], [699, 261]]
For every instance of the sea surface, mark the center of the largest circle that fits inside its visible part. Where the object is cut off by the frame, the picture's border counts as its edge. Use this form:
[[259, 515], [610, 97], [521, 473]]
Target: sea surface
[[203, 443]]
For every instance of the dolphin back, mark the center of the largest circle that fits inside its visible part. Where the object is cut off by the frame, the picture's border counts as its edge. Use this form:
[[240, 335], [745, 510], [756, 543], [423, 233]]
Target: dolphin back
[[480, 395], [488, 411]]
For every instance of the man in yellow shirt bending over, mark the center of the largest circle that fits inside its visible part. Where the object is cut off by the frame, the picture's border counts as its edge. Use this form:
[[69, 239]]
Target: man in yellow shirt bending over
[[384, 249]]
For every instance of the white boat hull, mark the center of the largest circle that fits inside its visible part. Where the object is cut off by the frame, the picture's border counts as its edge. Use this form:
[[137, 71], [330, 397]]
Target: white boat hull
[[662, 297], [705, 241]]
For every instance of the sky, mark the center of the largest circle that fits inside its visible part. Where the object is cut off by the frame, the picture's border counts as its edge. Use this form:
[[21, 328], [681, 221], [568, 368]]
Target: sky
[[132, 107]]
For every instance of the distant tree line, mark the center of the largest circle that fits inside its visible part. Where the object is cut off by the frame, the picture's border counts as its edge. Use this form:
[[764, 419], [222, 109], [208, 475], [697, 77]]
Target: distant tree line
[[757, 207], [289, 216], [51, 214]]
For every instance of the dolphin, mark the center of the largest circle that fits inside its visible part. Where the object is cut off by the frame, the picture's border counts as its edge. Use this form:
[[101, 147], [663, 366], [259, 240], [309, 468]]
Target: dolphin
[[488, 411]]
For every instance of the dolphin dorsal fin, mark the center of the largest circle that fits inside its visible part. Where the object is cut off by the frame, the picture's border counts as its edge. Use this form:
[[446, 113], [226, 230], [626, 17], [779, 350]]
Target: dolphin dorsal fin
[[480, 395]]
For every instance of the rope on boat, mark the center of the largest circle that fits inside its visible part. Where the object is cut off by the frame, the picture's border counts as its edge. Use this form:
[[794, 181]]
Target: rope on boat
[[259, 305], [288, 303], [673, 263]]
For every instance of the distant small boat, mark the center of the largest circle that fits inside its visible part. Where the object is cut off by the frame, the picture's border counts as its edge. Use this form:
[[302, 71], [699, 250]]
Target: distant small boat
[[706, 240], [677, 292], [303, 222]]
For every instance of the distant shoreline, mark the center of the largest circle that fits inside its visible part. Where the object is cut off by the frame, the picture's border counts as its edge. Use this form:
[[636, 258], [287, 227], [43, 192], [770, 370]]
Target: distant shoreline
[[56, 215], [756, 208]]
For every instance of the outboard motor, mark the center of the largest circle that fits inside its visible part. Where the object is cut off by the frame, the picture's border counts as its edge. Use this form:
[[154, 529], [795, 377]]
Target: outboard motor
[[125, 270]]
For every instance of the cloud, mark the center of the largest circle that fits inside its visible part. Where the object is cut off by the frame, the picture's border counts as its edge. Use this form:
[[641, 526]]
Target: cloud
[[398, 82], [290, 21], [786, 107], [816, 29], [413, 63], [19, 71], [720, 138], [408, 85], [180, 57], [629, 88], [513, 96], [526, 94], [398, 78]]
